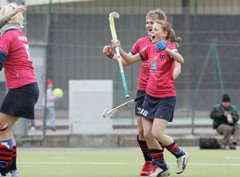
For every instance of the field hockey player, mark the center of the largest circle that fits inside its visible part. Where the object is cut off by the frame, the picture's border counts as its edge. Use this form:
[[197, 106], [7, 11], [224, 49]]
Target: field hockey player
[[21, 82], [140, 44], [160, 94]]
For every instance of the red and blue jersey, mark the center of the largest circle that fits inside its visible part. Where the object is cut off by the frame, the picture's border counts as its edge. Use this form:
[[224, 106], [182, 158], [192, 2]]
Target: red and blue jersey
[[144, 70], [161, 66], [17, 65]]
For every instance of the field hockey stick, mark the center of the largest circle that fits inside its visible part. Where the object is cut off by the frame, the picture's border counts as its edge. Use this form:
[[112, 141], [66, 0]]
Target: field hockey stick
[[109, 113], [114, 37]]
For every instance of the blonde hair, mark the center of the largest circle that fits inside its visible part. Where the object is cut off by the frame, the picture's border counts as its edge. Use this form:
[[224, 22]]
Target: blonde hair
[[16, 19], [157, 14], [171, 36]]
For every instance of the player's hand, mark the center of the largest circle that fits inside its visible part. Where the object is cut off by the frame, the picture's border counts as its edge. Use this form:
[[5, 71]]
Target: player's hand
[[107, 50], [21, 8], [16, 10], [162, 45], [116, 43], [225, 113]]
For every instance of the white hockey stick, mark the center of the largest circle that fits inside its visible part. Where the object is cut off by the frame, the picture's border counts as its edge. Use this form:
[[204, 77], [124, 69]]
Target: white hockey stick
[[114, 37], [109, 113]]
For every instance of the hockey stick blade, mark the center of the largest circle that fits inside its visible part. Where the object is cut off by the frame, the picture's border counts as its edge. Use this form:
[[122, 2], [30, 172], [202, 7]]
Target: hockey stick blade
[[109, 113]]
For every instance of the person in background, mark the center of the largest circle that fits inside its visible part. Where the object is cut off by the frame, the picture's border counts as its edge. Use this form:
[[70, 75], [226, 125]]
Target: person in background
[[225, 117], [50, 104], [32, 125], [23, 91]]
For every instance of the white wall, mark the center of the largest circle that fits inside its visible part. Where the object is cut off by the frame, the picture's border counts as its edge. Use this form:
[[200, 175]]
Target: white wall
[[87, 101]]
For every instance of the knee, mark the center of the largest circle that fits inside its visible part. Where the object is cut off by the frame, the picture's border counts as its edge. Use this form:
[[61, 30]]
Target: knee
[[228, 129], [157, 134], [4, 134], [148, 135]]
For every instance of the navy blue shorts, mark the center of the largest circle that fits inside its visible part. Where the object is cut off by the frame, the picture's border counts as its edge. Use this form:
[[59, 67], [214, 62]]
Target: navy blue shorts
[[19, 102], [138, 103], [162, 108]]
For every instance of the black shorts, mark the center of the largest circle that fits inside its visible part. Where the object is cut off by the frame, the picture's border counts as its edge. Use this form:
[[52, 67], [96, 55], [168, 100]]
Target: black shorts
[[19, 102], [138, 103], [162, 108]]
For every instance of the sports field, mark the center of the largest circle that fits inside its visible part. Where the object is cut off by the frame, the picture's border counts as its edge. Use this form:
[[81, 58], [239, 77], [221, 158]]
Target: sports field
[[124, 162]]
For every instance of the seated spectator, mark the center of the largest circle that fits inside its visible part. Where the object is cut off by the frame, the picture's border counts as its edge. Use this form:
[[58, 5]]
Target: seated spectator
[[225, 117]]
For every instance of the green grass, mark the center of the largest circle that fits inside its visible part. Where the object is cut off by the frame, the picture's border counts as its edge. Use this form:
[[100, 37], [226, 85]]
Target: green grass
[[120, 163]]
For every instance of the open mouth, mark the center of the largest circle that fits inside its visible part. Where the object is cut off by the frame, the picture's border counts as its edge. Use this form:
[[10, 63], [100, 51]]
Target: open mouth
[[152, 36]]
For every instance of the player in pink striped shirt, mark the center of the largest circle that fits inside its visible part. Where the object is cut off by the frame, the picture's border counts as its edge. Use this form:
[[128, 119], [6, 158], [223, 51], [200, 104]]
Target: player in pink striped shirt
[[22, 86]]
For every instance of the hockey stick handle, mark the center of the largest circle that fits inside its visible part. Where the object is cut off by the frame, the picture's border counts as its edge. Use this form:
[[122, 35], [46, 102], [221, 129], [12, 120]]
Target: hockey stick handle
[[138, 98], [124, 82], [114, 37]]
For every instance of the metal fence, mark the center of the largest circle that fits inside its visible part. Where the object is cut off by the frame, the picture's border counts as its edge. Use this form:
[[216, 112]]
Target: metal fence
[[74, 33]]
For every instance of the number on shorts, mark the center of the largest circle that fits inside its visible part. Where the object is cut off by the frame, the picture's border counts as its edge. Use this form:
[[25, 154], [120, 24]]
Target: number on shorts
[[143, 112]]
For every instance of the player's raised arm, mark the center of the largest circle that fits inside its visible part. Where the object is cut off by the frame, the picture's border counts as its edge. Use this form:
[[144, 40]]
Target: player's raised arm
[[20, 8], [7, 17], [3, 21], [107, 50], [176, 56]]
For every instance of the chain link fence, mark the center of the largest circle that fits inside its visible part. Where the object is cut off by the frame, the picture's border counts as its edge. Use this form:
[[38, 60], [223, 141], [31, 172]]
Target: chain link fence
[[73, 34]]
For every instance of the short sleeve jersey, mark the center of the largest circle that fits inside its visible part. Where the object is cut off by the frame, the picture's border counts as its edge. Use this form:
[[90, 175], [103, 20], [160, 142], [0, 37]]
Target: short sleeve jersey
[[18, 66], [144, 70], [161, 66]]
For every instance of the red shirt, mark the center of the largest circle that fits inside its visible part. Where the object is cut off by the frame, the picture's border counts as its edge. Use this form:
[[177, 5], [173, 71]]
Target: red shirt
[[161, 66], [144, 70], [18, 65]]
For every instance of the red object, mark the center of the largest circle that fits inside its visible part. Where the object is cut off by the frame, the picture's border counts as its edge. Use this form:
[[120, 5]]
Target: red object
[[161, 66], [154, 168], [144, 70], [18, 65], [147, 169], [49, 81]]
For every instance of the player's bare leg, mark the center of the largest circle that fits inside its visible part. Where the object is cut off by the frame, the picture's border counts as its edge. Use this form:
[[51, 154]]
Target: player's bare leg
[[7, 142], [155, 150], [182, 157], [147, 167]]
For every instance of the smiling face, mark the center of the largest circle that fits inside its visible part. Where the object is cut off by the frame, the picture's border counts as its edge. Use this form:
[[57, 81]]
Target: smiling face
[[158, 32], [149, 24]]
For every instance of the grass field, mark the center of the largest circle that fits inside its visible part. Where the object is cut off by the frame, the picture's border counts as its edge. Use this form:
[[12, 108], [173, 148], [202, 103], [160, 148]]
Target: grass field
[[120, 163]]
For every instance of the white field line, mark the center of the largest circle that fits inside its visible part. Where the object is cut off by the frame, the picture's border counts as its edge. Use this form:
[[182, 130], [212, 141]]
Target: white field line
[[233, 158], [117, 163], [74, 163]]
